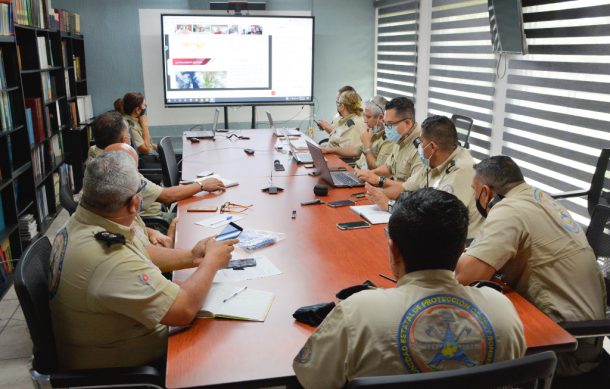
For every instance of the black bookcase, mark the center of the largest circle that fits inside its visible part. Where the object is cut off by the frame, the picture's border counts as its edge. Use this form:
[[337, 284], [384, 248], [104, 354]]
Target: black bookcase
[[44, 71]]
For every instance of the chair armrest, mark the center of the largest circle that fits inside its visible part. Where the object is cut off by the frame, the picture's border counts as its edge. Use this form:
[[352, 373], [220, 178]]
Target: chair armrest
[[105, 377], [325, 140], [156, 221], [573, 193], [587, 328]]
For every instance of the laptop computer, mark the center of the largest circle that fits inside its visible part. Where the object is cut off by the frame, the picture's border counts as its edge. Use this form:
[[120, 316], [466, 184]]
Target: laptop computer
[[282, 131], [336, 179], [300, 156], [204, 134]]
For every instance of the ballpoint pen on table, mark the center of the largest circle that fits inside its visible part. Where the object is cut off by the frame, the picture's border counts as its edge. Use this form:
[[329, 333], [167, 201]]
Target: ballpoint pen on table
[[221, 221], [234, 294]]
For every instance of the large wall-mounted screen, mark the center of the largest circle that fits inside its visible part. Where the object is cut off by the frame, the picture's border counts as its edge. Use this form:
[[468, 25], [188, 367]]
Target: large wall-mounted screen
[[237, 60]]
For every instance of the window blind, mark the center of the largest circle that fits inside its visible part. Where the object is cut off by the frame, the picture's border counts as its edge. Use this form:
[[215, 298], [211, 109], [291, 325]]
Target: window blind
[[558, 105], [463, 67], [396, 48]]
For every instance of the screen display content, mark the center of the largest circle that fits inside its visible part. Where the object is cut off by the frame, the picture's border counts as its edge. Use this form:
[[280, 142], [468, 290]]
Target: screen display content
[[224, 60]]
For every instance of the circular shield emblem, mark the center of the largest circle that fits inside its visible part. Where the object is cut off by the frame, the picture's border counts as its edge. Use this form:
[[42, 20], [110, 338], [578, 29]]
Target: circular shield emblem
[[557, 211], [443, 332]]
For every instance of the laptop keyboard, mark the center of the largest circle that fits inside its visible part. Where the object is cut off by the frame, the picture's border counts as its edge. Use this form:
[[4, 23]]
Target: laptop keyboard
[[345, 179]]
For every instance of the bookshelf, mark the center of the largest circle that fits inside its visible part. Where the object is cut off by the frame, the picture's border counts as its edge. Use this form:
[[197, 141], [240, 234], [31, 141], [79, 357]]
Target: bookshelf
[[42, 75]]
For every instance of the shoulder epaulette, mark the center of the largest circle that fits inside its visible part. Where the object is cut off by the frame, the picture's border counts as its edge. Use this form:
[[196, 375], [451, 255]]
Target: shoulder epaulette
[[110, 238]]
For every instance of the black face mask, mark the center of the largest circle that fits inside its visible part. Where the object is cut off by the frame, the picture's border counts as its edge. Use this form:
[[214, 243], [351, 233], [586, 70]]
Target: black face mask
[[143, 112], [480, 207]]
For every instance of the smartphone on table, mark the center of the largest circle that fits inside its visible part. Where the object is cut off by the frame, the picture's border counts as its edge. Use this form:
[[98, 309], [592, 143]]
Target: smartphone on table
[[340, 203], [238, 264], [231, 231], [353, 225]]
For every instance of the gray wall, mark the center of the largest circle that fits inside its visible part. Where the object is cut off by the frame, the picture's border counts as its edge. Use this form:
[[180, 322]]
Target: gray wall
[[344, 47]]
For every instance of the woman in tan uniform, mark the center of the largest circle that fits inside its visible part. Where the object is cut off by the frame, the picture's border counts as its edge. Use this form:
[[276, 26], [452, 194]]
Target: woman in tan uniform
[[345, 136]]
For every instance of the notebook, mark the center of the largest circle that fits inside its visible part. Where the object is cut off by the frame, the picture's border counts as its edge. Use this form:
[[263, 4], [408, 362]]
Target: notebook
[[372, 213], [282, 131], [247, 304], [336, 179]]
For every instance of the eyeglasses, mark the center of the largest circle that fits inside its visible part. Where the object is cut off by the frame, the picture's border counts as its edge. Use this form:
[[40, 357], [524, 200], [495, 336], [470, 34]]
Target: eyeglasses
[[395, 123], [141, 187], [230, 207], [377, 105]]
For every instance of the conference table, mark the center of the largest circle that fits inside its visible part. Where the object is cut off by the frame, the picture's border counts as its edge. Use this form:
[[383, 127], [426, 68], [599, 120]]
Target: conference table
[[316, 260]]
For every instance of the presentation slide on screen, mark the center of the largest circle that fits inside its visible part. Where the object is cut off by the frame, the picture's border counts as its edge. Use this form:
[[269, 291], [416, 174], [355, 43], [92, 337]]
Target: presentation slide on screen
[[233, 59]]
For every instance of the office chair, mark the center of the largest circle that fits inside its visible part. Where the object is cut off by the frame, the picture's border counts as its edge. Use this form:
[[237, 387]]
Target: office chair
[[149, 165], [595, 194], [66, 199], [169, 163], [538, 368], [463, 122], [31, 285]]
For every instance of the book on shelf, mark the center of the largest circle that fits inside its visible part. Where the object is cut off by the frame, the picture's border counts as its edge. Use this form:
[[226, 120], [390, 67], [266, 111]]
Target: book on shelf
[[6, 256], [2, 222], [56, 184], [58, 114], [6, 117], [66, 176], [29, 124], [2, 72], [73, 115], [28, 228], [67, 80], [41, 203], [35, 104], [77, 73], [56, 154], [6, 18], [31, 12], [38, 161], [85, 107]]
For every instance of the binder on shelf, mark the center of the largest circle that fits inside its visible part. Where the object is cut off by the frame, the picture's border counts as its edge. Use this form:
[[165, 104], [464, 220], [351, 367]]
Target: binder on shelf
[[35, 104], [6, 18]]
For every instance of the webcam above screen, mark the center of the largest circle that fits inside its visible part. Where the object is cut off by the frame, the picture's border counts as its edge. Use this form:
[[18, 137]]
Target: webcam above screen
[[211, 60]]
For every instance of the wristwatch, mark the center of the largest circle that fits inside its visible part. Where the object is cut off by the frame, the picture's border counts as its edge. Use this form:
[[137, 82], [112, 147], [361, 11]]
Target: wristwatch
[[391, 205], [200, 184], [381, 181], [366, 151]]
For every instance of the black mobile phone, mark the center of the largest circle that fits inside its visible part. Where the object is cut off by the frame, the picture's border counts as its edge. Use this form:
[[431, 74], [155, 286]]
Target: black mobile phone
[[312, 202], [340, 203], [238, 264], [231, 231], [353, 225]]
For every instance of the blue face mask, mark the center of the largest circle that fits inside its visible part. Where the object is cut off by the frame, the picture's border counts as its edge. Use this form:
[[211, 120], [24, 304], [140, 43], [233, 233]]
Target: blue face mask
[[425, 161], [391, 133]]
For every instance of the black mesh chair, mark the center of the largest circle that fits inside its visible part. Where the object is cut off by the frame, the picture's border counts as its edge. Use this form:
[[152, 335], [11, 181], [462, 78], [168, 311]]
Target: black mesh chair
[[31, 285], [537, 368], [596, 193], [169, 163], [66, 199], [465, 123]]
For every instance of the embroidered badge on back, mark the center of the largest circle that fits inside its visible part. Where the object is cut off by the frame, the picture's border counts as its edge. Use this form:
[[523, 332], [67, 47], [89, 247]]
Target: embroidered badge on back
[[443, 332]]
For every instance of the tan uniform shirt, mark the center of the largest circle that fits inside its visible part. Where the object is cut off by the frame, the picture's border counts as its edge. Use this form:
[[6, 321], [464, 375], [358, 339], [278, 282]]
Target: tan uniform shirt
[[344, 135], [453, 176], [106, 301], [137, 137], [428, 322], [544, 256], [150, 193], [380, 147], [404, 160]]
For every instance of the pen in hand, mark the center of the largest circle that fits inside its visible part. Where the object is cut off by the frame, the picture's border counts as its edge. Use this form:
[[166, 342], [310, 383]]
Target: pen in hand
[[234, 294]]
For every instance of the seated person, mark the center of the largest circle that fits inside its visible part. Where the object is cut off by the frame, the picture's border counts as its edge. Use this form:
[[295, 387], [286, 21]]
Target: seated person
[[344, 137], [109, 128], [134, 111], [539, 250], [428, 322], [110, 305], [403, 162], [376, 147], [447, 166], [326, 126]]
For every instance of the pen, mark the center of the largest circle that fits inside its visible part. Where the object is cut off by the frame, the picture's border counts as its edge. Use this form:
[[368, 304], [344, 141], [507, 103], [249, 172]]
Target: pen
[[387, 278], [202, 209], [234, 294], [221, 221]]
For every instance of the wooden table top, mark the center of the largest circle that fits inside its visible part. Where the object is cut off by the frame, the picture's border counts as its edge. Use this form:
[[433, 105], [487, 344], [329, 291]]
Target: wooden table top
[[316, 259]]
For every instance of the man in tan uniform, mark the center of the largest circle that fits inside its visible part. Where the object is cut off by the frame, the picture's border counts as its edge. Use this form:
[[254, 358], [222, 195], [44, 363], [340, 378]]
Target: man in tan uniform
[[429, 322], [376, 148], [539, 250], [447, 167], [109, 303], [110, 128], [403, 162]]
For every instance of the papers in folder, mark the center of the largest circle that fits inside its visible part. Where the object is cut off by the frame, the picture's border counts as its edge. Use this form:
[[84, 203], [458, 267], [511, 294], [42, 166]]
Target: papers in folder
[[249, 304], [372, 213]]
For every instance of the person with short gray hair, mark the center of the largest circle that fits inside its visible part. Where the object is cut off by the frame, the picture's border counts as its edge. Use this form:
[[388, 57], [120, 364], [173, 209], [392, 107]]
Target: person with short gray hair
[[376, 147], [110, 305], [540, 251], [110, 181]]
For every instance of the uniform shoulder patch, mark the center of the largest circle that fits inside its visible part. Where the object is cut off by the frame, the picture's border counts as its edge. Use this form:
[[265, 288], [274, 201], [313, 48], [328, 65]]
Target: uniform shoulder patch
[[58, 252], [557, 211], [304, 355], [110, 238], [442, 332]]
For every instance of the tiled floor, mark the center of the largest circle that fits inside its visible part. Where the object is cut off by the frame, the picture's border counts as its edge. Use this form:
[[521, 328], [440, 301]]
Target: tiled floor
[[15, 343]]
